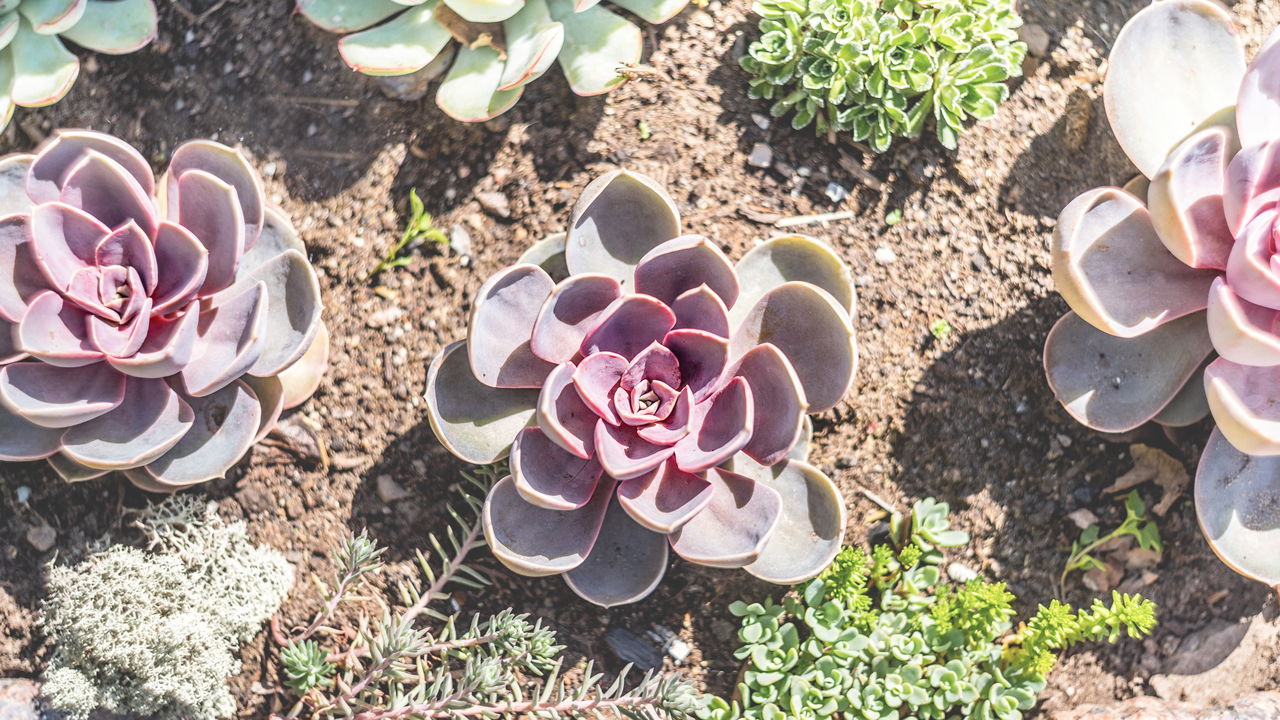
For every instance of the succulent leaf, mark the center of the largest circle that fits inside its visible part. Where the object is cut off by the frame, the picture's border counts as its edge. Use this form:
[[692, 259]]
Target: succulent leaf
[[598, 44], [809, 533], [403, 45], [549, 476], [475, 421], [470, 91], [115, 27], [1240, 399], [1174, 65], [537, 541], [619, 218], [1115, 384], [50, 17], [732, 530], [810, 328], [626, 562], [150, 420], [43, 69], [664, 498], [1236, 495], [224, 427], [1113, 270], [1186, 199], [534, 41], [343, 16]]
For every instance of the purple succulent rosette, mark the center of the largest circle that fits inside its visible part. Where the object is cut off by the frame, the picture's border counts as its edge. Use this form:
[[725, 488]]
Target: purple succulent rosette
[[1174, 280], [651, 395], [159, 336]]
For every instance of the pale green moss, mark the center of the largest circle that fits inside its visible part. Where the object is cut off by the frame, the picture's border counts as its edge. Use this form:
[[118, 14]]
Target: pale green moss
[[155, 632]]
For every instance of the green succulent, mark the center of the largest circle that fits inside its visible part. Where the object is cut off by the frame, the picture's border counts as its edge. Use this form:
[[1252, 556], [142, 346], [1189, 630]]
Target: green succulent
[[878, 636], [881, 68], [37, 69]]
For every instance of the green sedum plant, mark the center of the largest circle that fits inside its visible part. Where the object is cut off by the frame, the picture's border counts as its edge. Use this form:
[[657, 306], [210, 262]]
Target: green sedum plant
[[1135, 525], [155, 632], [880, 636], [881, 68]]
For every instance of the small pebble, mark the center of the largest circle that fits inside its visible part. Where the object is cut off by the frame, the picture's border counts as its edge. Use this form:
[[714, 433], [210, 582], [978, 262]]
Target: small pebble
[[761, 156], [460, 240], [961, 573], [1036, 38], [678, 650], [885, 255], [22, 494], [762, 121], [630, 647], [42, 537], [836, 192], [389, 490], [495, 203]]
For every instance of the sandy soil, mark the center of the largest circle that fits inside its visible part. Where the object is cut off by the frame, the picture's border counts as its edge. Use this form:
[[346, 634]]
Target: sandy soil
[[968, 419]]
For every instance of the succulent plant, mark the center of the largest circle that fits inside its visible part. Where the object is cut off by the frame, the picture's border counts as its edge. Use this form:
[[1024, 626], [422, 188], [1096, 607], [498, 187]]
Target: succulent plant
[[36, 69], [881, 68], [651, 394], [161, 336], [502, 45], [1173, 280], [882, 636]]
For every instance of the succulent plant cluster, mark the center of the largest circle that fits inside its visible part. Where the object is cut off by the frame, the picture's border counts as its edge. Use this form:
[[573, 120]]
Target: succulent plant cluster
[[36, 69], [491, 48], [880, 636], [157, 335], [882, 68], [651, 394], [1173, 280]]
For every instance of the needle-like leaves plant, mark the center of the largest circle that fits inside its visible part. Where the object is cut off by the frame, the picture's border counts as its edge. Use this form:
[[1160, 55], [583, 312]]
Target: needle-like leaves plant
[[36, 69], [1173, 281], [882, 636], [158, 327], [877, 69], [411, 660], [492, 48], [652, 395]]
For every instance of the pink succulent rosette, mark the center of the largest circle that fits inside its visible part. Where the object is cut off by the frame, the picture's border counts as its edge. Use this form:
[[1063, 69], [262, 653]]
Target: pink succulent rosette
[[1174, 280], [652, 395], [159, 336]]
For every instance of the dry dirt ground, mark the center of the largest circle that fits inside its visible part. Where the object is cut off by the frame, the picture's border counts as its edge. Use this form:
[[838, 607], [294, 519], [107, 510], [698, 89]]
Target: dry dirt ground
[[968, 418]]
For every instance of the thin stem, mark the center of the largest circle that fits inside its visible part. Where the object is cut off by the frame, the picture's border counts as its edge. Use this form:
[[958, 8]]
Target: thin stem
[[329, 608], [455, 565], [464, 549]]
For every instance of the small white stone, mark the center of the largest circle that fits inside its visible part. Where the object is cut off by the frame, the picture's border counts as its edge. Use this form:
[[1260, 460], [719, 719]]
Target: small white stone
[[761, 156], [678, 650], [836, 192], [886, 255], [961, 573], [762, 121], [22, 494]]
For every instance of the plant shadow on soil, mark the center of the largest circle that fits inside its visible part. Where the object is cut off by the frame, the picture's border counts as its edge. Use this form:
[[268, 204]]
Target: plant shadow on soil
[[983, 432]]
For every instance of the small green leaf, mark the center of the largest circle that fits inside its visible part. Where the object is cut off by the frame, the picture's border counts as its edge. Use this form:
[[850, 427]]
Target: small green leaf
[[893, 217]]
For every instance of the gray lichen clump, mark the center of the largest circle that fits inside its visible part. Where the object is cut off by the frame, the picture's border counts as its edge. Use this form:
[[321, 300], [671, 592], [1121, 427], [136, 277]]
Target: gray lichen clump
[[155, 631]]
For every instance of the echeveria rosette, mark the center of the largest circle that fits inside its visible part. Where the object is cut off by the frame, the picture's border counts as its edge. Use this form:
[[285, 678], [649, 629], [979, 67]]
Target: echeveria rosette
[[501, 45], [882, 68], [36, 69], [156, 327], [651, 395], [1174, 280]]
